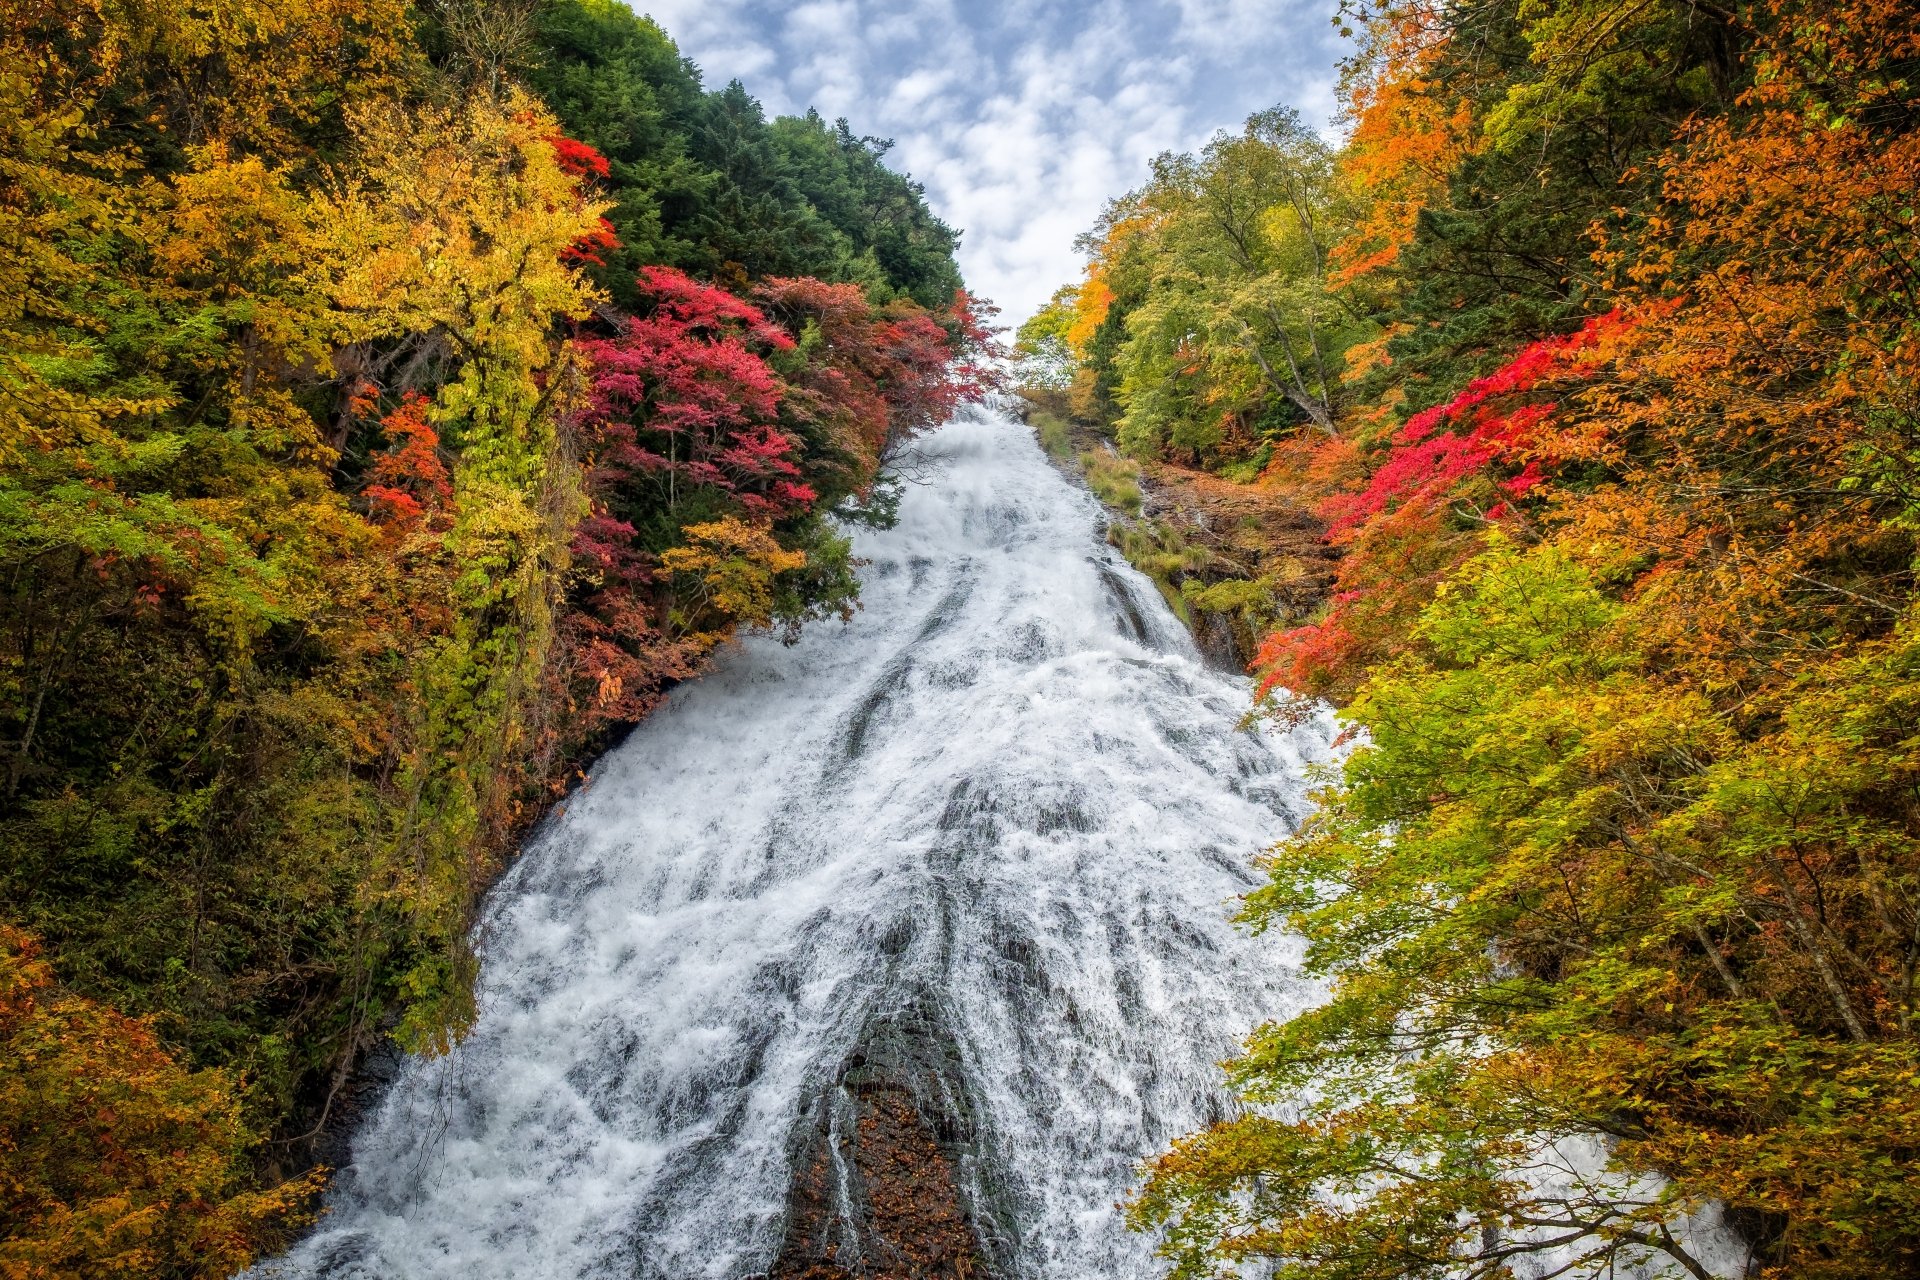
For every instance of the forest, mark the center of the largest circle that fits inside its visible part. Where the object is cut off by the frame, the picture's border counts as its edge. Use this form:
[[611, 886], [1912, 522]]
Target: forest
[[1593, 345], [395, 401]]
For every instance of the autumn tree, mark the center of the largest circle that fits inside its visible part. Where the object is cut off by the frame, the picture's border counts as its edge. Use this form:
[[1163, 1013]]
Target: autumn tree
[[1582, 988], [114, 1159], [1616, 893], [1042, 349], [1237, 314], [721, 432], [1437, 485], [311, 585]]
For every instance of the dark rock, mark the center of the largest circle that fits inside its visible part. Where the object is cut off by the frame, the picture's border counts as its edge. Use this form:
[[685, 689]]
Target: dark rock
[[886, 1187]]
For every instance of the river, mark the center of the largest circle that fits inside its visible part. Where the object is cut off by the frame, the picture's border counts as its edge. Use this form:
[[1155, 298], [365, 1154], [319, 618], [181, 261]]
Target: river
[[997, 821]]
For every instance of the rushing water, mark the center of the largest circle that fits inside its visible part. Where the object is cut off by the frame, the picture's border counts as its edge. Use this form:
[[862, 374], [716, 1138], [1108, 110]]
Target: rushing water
[[1009, 794]]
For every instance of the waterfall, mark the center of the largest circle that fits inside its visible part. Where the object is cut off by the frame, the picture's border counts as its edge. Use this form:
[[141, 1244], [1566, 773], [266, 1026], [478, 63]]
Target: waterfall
[[1006, 808]]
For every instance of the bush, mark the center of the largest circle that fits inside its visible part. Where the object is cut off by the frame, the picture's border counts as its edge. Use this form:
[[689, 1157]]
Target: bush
[[1115, 480], [114, 1159], [1055, 436]]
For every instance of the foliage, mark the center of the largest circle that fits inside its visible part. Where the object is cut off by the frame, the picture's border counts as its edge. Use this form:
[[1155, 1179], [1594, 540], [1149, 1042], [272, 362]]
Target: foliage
[[682, 403], [1561, 896], [704, 182], [730, 568], [1421, 512], [1407, 138], [1042, 349], [871, 377], [115, 1161], [343, 516], [1558, 111], [1622, 861], [1232, 249]]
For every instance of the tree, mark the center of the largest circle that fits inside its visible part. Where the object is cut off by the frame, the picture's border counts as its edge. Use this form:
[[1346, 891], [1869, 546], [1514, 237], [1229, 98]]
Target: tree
[[1551, 115], [683, 408], [1443, 479], [1044, 355], [1566, 905], [1238, 309], [115, 1160], [1624, 856], [455, 235]]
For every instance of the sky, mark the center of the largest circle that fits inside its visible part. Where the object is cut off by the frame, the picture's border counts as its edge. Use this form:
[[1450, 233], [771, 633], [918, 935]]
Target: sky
[[1022, 119]]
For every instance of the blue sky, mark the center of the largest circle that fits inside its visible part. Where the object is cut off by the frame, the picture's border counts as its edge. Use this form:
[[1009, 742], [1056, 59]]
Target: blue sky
[[1020, 118]]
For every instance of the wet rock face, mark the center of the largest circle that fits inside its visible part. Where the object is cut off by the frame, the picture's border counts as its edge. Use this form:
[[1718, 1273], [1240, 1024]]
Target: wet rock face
[[1247, 531], [909, 1222], [1194, 529], [884, 1189]]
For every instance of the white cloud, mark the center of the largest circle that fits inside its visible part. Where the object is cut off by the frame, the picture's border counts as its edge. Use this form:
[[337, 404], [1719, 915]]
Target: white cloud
[[1021, 118]]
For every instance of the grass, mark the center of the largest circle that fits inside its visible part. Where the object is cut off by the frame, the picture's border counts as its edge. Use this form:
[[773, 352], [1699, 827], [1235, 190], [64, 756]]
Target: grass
[[1055, 436], [1115, 480]]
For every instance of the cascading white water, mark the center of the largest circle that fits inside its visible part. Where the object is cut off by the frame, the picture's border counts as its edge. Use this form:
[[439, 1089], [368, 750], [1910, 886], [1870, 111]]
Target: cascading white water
[[1009, 791]]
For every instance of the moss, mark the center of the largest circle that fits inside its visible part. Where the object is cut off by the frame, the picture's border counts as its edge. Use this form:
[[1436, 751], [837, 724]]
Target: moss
[[1229, 595]]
